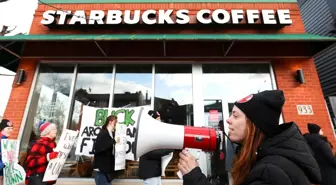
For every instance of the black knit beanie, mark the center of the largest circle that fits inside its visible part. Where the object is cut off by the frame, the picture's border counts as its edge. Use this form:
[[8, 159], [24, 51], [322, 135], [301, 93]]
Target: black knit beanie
[[5, 123], [264, 110], [154, 114], [313, 128]]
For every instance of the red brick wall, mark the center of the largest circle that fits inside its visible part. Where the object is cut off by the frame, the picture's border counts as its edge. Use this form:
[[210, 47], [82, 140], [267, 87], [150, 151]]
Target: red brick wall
[[19, 96], [309, 93]]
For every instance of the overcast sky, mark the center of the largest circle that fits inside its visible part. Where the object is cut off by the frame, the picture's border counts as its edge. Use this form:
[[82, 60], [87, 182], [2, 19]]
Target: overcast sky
[[6, 87], [19, 13]]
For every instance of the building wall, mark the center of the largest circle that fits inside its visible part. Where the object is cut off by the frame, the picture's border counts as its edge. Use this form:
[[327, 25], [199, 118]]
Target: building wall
[[309, 93], [19, 96], [318, 17]]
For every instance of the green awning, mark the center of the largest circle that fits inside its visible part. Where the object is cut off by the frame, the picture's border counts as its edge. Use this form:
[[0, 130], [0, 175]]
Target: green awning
[[137, 46], [107, 37], [162, 1]]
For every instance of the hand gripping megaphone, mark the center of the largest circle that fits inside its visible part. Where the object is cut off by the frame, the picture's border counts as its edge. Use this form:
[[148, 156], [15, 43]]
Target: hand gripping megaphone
[[153, 134]]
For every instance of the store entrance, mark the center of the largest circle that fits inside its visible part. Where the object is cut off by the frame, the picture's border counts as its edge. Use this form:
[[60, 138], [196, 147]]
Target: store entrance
[[216, 111]]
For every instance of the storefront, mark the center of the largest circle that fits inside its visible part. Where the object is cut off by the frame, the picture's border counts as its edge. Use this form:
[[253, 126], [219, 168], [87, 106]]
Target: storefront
[[190, 65]]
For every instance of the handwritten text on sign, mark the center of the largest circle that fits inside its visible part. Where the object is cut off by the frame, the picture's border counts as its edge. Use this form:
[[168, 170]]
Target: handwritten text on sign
[[13, 172], [120, 147], [63, 148], [305, 109], [92, 120]]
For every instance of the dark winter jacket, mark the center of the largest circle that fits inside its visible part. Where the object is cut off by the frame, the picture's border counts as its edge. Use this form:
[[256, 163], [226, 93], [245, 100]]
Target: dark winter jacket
[[284, 159], [150, 163], [324, 157], [104, 159]]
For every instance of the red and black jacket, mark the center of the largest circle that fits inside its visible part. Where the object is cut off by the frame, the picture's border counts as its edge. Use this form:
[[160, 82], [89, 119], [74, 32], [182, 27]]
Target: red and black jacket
[[36, 161]]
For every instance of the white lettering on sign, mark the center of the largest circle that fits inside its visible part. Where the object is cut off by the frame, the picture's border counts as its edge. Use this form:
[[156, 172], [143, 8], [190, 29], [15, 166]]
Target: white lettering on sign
[[305, 109], [284, 17], [269, 16], [252, 16], [79, 16], [170, 16], [237, 16]]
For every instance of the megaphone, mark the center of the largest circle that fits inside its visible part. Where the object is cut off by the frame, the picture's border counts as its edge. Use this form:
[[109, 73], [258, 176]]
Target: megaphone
[[152, 134]]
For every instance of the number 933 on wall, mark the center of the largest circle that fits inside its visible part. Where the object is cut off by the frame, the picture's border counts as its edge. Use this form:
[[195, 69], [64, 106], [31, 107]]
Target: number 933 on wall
[[305, 109]]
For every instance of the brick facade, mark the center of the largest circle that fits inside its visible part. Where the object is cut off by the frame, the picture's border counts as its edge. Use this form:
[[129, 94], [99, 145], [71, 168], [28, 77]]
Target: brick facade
[[309, 93], [19, 96]]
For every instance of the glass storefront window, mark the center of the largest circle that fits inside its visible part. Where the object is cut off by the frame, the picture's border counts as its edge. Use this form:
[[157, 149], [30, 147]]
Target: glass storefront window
[[174, 101], [234, 81], [132, 87], [93, 87], [227, 83], [49, 102]]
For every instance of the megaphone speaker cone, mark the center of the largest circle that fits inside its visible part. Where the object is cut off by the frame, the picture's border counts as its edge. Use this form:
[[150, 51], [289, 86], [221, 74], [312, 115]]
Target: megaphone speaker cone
[[152, 134]]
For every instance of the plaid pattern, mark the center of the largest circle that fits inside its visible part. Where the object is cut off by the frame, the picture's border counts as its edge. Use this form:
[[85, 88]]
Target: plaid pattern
[[37, 161]]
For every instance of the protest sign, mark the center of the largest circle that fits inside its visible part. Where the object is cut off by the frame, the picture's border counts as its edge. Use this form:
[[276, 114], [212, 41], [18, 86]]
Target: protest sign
[[13, 172], [120, 147], [63, 148], [92, 120]]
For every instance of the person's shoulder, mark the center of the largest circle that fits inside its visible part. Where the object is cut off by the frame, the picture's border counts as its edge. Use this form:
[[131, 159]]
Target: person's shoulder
[[269, 172], [103, 133]]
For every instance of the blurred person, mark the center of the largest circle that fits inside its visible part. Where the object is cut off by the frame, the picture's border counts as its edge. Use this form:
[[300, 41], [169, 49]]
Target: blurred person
[[104, 153], [218, 160], [6, 128], [150, 169], [322, 149]]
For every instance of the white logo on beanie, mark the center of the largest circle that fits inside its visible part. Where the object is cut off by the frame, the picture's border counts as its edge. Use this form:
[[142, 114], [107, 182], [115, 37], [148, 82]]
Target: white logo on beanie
[[245, 99]]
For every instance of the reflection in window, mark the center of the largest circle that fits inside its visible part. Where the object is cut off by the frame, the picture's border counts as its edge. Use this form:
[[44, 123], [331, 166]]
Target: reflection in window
[[49, 102], [133, 85], [173, 99], [234, 81], [93, 86]]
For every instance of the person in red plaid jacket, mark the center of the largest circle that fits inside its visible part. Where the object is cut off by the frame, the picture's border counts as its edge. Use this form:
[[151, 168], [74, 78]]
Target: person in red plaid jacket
[[40, 154]]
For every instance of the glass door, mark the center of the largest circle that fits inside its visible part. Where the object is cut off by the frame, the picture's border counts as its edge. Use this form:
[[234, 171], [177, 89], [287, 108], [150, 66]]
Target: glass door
[[216, 111]]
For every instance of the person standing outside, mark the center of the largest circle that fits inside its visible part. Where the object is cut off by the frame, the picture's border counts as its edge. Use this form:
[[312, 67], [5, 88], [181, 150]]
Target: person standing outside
[[104, 153], [41, 152], [150, 163], [6, 128]]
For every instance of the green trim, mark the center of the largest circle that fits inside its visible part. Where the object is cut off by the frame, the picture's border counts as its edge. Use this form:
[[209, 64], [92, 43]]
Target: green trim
[[246, 37], [163, 1]]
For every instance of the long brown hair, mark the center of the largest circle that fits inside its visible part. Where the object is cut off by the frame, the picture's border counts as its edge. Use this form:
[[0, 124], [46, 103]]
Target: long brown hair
[[247, 156], [108, 119]]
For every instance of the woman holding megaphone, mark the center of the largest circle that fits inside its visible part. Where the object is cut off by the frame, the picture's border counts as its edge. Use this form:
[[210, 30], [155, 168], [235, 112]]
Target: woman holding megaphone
[[269, 154]]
